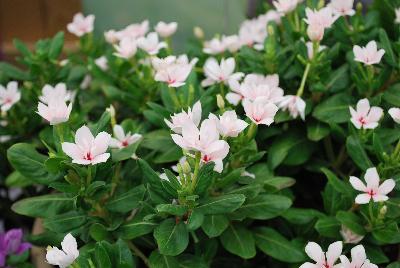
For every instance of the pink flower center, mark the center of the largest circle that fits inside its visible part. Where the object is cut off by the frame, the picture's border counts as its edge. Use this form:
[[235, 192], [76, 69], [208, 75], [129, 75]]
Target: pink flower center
[[125, 143], [206, 158], [221, 78], [7, 100], [88, 156], [171, 81], [362, 120], [371, 193]]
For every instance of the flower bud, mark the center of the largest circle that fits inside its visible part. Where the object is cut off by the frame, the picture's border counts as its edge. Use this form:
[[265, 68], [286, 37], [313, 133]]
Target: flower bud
[[198, 32], [186, 168], [270, 30], [220, 102], [382, 211], [315, 32]]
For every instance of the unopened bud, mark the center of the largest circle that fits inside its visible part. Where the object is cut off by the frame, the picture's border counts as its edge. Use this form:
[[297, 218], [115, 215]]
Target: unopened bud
[[220, 102], [198, 32], [321, 4], [315, 32], [382, 211], [186, 168], [359, 8], [270, 30]]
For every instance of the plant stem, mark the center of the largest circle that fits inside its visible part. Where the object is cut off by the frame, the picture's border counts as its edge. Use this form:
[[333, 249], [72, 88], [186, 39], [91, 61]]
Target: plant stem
[[221, 89], [396, 149], [115, 179], [196, 169], [59, 129], [89, 176], [304, 79], [175, 100], [138, 253], [251, 133], [371, 212]]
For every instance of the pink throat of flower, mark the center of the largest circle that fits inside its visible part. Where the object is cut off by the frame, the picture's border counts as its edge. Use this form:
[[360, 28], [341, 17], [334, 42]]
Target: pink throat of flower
[[125, 143], [88, 156], [171, 81], [221, 78], [7, 100], [371, 193], [362, 120], [206, 158]]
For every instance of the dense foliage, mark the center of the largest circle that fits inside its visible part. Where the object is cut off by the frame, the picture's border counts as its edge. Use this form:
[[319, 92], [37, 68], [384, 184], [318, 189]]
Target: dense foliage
[[239, 157]]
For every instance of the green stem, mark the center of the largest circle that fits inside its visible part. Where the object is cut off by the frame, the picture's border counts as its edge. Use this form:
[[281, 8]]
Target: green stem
[[221, 89], [89, 176], [115, 179], [251, 132], [371, 212], [195, 238], [304, 79], [196, 169], [60, 132], [138, 253], [175, 100], [397, 149]]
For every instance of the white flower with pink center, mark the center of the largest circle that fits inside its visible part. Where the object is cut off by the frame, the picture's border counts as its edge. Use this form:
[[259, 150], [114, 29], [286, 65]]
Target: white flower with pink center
[[323, 259], [81, 25], [260, 111], [365, 117], [126, 48], [220, 72], [179, 120], [87, 149], [121, 139], [323, 17], [66, 256], [59, 91], [372, 190], [285, 6], [206, 141], [166, 29], [228, 124], [342, 7], [295, 105], [369, 54], [9, 96]]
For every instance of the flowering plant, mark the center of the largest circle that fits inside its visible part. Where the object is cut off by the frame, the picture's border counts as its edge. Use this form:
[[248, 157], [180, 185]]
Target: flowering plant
[[249, 150]]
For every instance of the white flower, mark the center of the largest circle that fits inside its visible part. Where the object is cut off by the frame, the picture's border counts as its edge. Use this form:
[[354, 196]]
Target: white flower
[[151, 44], [228, 124], [260, 111], [135, 30], [81, 25], [365, 117], [322, 259], [56, 111], [220, 73], [126, 48], [342, 7], [111, 36], [349, 236], [397, 13], [65, 257], [214, 46], [315, 32], [232, 43], [180, 119], [166, 29], [323, 17], [372, 190], [358, 259], [395, 114], [121, 139], [59, 91], [102, 63], [368, 55], [88, 149], [310, 49], [285, 6], [9, 96], [206, 140], [295, 105], [172, 70]]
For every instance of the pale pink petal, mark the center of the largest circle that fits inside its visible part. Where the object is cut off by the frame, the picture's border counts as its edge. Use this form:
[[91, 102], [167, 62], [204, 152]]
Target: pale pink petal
[[314, 251], [380, 198], [84, 138], [100, 143], [363, 107], [372, 178], [357, 184], [363, 199], [119, 132], [386, 187], [358, 255], [100, 158], [72, 150], [333, 253]]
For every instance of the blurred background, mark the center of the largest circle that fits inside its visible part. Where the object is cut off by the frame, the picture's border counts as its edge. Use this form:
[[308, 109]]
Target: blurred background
[[30, 20]]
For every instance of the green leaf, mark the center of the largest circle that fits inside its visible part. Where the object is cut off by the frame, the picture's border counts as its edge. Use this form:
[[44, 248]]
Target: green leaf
[[22, 48], [205, 178], [122, 255], [56, 45], [299, 216], [392, 95], [195, 220], [351, 221], [125, 153], [102, 259], [265, 206], [172, 209], [13, 72], [43, 206], [98, 232], [190, 261], [357, 153], [277, 246], [172, 238], [389, 234], [66, 222], [337, 183], [136, 228], [158, 260], [317, 130], [27, 161], [334, 109], [153, 179], [328, 227], [221, 204], [15, 179], [394, 265], [102, 124], [214, 225], [239, 241], [386, 45], [126, 201]]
